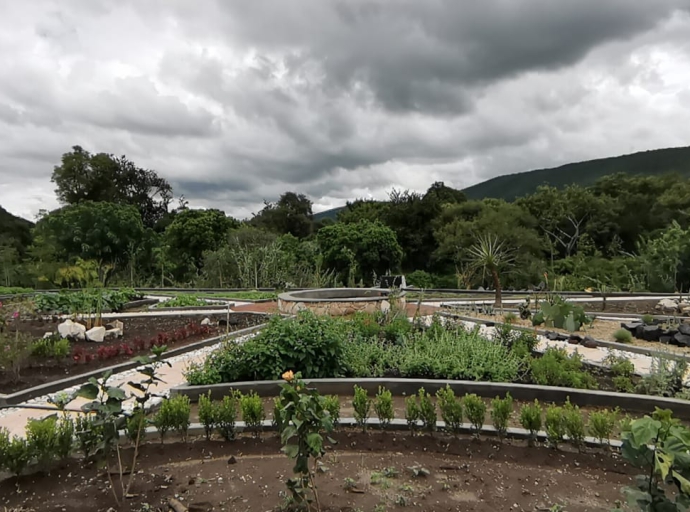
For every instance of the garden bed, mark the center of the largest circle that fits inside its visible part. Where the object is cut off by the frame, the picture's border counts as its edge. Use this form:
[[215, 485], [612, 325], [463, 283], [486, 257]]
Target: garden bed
[[139, 334], [249, 474]]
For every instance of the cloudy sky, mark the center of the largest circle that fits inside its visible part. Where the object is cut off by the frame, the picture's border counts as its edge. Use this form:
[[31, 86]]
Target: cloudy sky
[[237, 101]]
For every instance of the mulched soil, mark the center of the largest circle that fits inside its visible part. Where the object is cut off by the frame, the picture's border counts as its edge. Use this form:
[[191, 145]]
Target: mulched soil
[[635, 307], [249, 475], [138, 334]]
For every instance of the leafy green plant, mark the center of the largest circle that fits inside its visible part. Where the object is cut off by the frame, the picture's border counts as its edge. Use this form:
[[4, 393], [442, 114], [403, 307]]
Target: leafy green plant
[[554, 423], [623, 384], [412, 412], [332, 404], [557, 368], [647, 319], [87, 432], [383, 406], [574, 424], [475, 410], [397, 328], [531, 419], [600, 424], [510, 318], [182, 301], [451, 409], [665, 377], [361, 403], [252, 412], [18, 455], [136, 424], [43, 440], [501, 409], [226, 415], [558, 312], [659, 445], [427, 410], [207, 414], [622, 336], [304, 419], [15, 349], [173, 414], [53, 346]]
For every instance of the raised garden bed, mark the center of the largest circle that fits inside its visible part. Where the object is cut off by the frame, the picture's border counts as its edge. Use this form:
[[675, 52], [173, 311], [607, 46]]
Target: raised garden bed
[[139, 334]]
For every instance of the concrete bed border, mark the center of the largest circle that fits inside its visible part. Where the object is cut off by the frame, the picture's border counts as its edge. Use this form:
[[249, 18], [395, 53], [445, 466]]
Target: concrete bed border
[[7, 400], [211, 307], [405, 387], [605, 344]]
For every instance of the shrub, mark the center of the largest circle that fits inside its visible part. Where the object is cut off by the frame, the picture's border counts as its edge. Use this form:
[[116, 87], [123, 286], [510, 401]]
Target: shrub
[[88, 434], [252, 412], [510, 318], [574, 424], [475, 409], [557, 368], [65, 437], [501, 409], [530, 419], [4, 446], [451, 409], [361, 403], [420, 279], [623, 384], [366, 325], [173, 415], [665, 378], [601, 424], [15, 349], [226, 416], [18, 455], [622, 336], [207, 414], [647, 319], [42, 438], [395, 330], [383, 405], [554, 423], [427, 410], [136, 425], [332, 404], [53, 346], [412, 413], [621, 366]]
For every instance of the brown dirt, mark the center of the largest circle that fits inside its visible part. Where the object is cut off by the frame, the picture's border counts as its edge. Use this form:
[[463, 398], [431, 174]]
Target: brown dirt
[[248, 475], [272, 307], [138, 334], [636, 307]]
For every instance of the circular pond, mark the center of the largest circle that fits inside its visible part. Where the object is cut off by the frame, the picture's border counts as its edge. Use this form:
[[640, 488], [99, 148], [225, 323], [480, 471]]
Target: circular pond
[[339, 301]]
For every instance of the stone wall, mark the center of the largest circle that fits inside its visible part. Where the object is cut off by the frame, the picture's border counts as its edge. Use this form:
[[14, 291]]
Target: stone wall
[[338, 308]]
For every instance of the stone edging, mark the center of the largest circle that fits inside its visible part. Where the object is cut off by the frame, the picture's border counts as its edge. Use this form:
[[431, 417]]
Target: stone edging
[[58, 385], [210, 307], [401, 387], [623, 347]]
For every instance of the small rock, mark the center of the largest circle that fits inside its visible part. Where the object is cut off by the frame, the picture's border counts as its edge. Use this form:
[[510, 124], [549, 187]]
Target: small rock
[[113, 333], [206, 321], [47, 335], [589, 342], [232, 460]]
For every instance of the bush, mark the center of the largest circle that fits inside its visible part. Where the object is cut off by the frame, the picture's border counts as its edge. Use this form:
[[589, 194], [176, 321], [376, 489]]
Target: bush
[[207, 414], [88, 434], [4, 446], [136, 425], [395, 330], [65, 437], [501, 409], [601, 424], [574, 424], [54, 346], [554, 422], [383, 405], [366, 325], [226, 416], [557, 368], [427, 410], [475, 410], [510, 318], [621, 366], [42, 438], [18, 455], [530, 419], [420, 279], [252, 412], [451, 409], [361, 403], [412, 413], [623, 384], [622, 336], [332, 404], [173, 415], [647, 319]]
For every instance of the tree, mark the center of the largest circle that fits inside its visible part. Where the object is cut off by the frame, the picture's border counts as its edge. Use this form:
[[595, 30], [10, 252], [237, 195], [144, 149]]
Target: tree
[[193, 232], [82, 176], [489, 255], [292, 214], [371, 245], [97, 231]]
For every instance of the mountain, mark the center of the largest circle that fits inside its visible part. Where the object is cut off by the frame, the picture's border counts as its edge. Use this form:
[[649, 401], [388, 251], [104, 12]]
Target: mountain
[[655, 162], [15, 230]]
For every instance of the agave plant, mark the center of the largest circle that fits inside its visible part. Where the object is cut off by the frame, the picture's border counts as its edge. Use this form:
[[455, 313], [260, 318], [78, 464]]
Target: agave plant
[[490, 255]]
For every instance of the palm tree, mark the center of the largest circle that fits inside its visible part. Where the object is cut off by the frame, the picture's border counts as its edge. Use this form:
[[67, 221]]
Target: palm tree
[[489, 254]]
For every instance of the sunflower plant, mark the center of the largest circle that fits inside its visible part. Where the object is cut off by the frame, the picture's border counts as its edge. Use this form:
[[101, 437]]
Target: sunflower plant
[[304, 419]]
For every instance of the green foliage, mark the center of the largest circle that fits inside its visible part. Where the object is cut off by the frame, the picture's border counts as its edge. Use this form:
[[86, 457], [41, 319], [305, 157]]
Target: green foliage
[[366, 324], [361, 403], [15, 349], [65, 437], [88, 431], [647, 319], [226, 415], [665, 377], [600, 424], [304, 419], [531, 419], [420, 279], [42, 437], [427, 410], [173, 414], [332, 404], [658, 444], [18, 455], [574, 424], [83, 301], [14, 290], [623, 384], [412, 412], [451, 409], [207, 414], [557, 368], [561, 314], [510, 318], [475, 410], [52, 347], [397, 329], [383, 406], [554, 423], [501, 410], [136, 425], [182, 301], [622, 336], [252, 412]]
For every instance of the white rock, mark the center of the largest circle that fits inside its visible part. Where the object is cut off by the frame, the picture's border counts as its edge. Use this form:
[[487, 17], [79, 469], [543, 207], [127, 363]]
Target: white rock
[[70, 329], [96, 334], [667, 305], [206, 321], [113, 333], [47, 335]]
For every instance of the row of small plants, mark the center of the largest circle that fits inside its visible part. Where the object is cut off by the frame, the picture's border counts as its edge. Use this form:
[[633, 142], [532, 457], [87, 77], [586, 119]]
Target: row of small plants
[[14, 290], [183, 301], [238, 295], [83, 301]]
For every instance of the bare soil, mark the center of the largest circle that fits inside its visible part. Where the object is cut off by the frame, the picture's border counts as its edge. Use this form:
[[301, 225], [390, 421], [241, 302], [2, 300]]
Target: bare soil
[[249, 475], [138, 334]]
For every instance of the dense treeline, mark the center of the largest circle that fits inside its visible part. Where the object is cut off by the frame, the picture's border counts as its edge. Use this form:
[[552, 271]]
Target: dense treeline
[[118, 226]]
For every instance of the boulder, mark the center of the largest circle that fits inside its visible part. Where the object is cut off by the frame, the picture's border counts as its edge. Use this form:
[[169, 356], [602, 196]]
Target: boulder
[[96, 334], [550, 335], [589, 342], [684, 329], [685, 310], [575, 339], [639, 331], [563, 337], [73, 330], [651, 332], [667, 306], [665, 339], [206, 321], [113, 333], [115, 324], [630, 326], [670, 332], [682, 340]]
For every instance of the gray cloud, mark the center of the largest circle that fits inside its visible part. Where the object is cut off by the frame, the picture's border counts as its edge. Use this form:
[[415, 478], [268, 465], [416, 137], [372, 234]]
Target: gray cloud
[[240, 101]]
